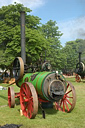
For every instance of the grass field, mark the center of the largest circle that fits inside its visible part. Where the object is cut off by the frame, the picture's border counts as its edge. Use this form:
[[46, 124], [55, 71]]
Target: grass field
[[54, 119]]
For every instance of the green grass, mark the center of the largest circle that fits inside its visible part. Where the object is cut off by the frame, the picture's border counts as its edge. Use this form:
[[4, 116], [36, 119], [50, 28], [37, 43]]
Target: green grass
[[54, 119]]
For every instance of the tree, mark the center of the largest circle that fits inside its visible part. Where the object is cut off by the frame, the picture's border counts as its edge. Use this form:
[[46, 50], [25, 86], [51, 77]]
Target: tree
[[52, 35], [35, 46], [10, 36], [71, 50]]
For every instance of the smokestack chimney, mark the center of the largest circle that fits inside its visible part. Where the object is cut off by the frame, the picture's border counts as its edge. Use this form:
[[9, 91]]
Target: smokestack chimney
[[23, 54], [79, 57]]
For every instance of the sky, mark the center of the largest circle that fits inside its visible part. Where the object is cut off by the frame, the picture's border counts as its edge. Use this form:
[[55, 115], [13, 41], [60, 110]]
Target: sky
[[69, 15]]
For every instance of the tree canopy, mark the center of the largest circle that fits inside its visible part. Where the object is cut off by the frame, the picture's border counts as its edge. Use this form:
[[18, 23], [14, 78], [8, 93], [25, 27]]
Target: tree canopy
[[71, 50], [42, 40], [39, 38], [52, 35], [10, 34]]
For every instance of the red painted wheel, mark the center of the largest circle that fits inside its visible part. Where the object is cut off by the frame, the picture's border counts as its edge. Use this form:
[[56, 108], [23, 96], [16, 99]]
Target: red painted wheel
[[28, 100], [67, 103], [11, 97], [78, 78]]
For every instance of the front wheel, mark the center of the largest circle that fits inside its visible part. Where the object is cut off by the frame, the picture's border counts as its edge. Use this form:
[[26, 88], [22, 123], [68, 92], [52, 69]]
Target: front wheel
[[28, 100]]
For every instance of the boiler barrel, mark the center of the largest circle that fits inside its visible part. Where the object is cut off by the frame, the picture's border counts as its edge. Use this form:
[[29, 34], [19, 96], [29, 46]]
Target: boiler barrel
[[47, 86]]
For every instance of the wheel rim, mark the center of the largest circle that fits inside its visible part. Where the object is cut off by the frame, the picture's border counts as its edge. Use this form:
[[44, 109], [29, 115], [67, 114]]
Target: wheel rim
[[78, 78], [80, 67], [18, 68], [46, 66], [67, 103], [28, 100], [11, 97]]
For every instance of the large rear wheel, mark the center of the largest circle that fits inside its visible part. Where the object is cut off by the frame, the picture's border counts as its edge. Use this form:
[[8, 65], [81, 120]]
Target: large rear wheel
[[18, 68], [67, 103]]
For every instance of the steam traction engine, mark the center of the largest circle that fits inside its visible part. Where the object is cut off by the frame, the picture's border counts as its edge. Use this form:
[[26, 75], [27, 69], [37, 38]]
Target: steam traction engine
[[39, 87], [80, 70]]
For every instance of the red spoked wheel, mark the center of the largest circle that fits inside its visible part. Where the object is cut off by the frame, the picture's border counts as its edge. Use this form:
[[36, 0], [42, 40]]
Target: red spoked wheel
[[67, 103], [11, 97], [28, 100], [78, 78]]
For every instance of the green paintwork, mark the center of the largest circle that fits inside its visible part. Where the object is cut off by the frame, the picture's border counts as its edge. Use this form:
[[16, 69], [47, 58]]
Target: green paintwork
[[37, 82]]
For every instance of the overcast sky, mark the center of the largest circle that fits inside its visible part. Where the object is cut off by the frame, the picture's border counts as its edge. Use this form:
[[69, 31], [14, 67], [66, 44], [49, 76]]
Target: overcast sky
[[69, 15]]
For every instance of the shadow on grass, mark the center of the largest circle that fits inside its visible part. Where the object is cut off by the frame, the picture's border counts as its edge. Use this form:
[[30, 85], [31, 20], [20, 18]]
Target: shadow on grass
[[48, 111], [3, 97], [17, 101]]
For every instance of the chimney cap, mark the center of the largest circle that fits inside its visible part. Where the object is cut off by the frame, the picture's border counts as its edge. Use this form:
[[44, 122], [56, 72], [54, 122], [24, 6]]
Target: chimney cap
[[22, 11]]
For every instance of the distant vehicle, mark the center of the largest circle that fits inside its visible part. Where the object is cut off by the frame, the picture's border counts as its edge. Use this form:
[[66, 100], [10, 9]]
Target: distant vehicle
[[80, 70]]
